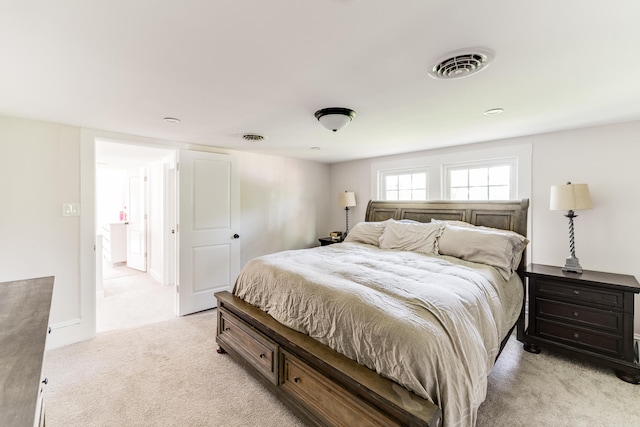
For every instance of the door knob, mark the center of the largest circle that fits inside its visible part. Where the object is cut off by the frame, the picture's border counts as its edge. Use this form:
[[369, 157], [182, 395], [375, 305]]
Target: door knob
[[236, 236]]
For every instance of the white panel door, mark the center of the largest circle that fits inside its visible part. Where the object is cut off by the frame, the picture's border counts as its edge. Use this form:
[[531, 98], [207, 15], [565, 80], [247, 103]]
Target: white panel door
[[137, 224], [208, 228]]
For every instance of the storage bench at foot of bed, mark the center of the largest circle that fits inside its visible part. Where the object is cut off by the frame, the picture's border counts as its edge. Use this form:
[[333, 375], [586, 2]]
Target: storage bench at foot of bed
[[318, 384]]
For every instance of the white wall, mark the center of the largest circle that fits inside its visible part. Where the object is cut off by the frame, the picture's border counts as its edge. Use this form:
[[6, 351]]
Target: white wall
[[110, 185], [39, 171], [359, 176], [42, 165], [284, 204], [604, 157]]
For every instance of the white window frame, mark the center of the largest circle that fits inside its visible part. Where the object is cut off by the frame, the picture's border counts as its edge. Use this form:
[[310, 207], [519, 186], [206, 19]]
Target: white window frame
[[512, 162], [383, 174], [435, 160]]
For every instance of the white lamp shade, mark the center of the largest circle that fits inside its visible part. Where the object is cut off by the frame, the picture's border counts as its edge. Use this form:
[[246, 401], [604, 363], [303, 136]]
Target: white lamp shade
[[570, 197], [347, 199]]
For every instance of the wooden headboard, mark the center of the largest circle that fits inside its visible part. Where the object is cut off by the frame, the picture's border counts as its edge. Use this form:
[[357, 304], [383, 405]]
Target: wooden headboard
[[507, 215]]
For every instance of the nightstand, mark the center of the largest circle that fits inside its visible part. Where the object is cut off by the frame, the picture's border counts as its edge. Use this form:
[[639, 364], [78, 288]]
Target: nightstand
[[325, 241], [588, 315]]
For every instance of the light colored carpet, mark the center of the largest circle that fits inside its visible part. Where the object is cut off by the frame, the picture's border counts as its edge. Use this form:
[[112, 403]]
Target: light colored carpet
[[130, 298], [168, 374], [163, 374], [549, 389]]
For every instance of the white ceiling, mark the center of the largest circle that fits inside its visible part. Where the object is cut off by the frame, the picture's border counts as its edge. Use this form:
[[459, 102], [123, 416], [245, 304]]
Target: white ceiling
[[231, 67]]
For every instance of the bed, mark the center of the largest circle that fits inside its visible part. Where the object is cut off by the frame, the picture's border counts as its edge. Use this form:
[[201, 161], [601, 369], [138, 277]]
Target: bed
[[385, 328]]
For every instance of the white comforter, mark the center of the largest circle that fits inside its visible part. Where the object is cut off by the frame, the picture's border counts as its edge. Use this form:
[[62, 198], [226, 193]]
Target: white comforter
[[430, 323]]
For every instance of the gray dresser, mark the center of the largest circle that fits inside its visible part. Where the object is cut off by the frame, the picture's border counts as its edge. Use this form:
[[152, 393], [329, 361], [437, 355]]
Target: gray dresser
[[24, 326]]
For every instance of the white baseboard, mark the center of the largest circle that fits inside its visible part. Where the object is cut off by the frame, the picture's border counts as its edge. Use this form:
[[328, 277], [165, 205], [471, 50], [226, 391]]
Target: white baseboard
[[69, 332], [156, 276]]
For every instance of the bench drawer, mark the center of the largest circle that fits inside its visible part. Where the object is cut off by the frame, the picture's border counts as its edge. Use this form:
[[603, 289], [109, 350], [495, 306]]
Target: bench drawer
[[258, 350], [329, 401]]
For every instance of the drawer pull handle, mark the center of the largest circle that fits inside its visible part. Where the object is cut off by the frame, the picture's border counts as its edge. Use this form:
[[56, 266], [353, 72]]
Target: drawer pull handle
[[45, 381], [262, 355], [576, 314], [296, 379], [576, 292], [227, 329], [576, 335]]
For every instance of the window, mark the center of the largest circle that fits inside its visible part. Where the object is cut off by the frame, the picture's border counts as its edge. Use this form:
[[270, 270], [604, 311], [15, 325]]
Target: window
[[404, 184], [489, 180], [494, 173]]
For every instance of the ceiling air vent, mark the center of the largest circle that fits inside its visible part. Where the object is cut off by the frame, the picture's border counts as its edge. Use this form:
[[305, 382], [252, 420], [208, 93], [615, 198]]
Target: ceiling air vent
[[252, 137], [461, 64]]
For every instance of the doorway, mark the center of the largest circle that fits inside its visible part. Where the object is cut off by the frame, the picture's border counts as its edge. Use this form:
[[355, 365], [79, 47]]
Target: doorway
[[135, 250]]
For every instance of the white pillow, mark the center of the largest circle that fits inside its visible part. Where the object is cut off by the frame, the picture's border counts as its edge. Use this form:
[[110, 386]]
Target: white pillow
[[366, 232], [411, 236], [501, 249]]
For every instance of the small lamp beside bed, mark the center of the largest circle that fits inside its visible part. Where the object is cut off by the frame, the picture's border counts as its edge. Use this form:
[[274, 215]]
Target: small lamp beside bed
[[346, 200], [570, 197]]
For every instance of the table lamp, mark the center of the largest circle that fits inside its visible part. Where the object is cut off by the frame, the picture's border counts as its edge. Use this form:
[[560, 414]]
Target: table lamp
[[347, 200], [570, 197]]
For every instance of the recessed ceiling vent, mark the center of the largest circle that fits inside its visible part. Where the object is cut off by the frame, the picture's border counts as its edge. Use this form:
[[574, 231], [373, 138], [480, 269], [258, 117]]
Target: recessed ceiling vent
[[252, 137], [461, 63]]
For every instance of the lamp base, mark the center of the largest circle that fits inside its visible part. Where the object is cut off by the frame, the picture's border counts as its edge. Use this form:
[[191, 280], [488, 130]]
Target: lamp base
[[572, 265]]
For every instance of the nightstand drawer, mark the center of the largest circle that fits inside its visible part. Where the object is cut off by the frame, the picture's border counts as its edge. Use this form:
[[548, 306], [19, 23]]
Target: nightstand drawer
[[580, 315], [580, 293], [599, 343]]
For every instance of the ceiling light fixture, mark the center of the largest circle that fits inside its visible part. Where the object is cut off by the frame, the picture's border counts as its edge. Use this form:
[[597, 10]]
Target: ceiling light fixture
[[493, 111], [335, 118], [171, 120]]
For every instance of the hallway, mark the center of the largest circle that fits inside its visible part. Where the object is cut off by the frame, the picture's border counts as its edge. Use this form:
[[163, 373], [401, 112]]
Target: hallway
[[131, 298]]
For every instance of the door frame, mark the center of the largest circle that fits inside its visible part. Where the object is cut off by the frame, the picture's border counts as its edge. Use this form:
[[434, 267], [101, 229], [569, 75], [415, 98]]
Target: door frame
[[168, 187], [82, 325]]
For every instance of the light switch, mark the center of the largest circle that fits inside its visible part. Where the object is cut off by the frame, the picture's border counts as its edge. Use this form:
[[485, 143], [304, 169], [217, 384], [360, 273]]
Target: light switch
[[71, 209]]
